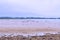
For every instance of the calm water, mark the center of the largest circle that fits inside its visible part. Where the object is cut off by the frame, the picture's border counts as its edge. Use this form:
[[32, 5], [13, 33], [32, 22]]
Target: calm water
[[53, 23]]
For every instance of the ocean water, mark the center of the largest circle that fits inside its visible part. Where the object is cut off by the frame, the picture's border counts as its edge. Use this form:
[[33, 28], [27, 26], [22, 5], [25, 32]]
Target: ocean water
[[53, 23]]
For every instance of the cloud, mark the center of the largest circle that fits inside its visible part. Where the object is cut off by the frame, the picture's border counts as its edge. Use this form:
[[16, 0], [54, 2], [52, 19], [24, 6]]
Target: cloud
[[38, 7]]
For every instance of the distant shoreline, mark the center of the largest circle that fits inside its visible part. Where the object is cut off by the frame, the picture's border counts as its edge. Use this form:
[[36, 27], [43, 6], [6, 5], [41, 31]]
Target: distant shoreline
[[26, 18]]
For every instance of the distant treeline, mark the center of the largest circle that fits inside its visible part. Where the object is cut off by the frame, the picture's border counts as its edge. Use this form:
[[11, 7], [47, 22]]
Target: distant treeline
[[26, 18]]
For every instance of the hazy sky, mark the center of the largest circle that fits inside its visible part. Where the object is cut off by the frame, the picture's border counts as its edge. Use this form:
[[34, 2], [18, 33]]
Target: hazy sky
[[42, 8]]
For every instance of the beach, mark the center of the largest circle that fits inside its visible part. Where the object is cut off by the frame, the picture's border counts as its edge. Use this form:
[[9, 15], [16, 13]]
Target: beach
[[29, 25]]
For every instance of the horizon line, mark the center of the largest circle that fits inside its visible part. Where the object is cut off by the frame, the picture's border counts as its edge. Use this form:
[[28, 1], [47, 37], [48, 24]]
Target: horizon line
[[29, 18]]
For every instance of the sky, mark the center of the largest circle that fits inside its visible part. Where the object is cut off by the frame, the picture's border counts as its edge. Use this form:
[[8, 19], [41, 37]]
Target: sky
[[28, 8]]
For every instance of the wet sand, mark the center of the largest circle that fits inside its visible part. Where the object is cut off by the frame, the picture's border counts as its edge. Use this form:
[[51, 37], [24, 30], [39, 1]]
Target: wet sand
[[28, 30]]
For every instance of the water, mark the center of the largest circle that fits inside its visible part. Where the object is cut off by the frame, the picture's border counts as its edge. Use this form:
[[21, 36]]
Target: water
[[54, 23]]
